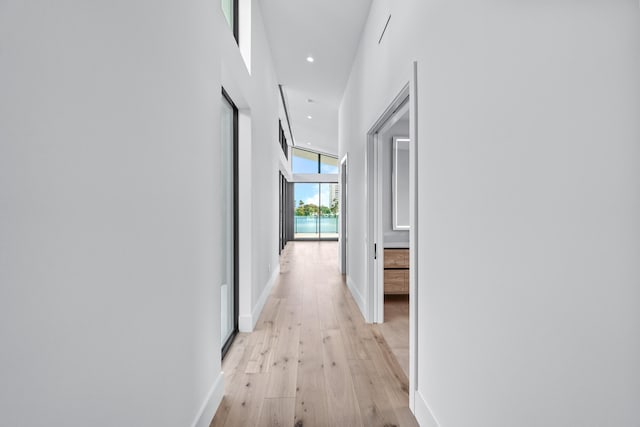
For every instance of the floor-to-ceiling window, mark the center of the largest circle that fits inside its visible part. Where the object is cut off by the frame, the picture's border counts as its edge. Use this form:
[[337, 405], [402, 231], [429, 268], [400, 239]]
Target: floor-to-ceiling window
[[316, 210], [228, 205], [328, 221], [307, 200]]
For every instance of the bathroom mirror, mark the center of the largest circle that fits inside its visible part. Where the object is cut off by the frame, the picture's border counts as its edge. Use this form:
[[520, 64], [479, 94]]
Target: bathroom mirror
[[400, 184]]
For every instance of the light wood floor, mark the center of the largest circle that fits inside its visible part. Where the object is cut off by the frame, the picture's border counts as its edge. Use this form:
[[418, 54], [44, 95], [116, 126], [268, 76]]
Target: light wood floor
[[312, 360], [395, 328]]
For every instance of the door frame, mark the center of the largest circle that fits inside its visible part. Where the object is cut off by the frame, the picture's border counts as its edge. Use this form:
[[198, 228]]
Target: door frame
[[373, 167], [319, 238], [374, 302], [343, 233]]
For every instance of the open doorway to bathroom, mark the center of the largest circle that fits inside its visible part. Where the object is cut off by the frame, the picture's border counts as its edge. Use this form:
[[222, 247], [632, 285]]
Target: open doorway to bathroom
[[393, 144], [389, 180]]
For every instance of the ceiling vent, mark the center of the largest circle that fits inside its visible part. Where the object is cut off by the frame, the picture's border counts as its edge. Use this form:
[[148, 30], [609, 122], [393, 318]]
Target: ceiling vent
[[384, 30]]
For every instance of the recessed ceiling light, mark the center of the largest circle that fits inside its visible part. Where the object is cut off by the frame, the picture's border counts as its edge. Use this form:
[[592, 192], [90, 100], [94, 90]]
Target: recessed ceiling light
[[309, 117], [310, 59], [308, 143]]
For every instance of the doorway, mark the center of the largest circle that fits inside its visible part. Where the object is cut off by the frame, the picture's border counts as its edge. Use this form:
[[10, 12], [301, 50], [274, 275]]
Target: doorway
[[391, 270], [388, 199], [344, 236], [393, 149], [228, 173], [316, 211]]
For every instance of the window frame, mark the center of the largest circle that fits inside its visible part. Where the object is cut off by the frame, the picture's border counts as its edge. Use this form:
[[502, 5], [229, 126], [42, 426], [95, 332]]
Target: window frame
[[236, 21], [236, 228], [318, 155], [235, 25], [319, 216], [284, 144], [337, 165]]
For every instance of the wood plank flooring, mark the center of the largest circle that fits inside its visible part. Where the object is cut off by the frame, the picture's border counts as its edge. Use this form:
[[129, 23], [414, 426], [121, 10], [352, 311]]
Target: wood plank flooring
[[395, 328], [312, 360]]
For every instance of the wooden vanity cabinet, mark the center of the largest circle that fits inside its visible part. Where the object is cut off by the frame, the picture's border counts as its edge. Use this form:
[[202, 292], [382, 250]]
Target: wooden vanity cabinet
[[396, 271]]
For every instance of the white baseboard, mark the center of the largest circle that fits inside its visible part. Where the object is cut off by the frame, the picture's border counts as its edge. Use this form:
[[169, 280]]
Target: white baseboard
[[247, 323], [357, 297], [210, 405], [423, 413]]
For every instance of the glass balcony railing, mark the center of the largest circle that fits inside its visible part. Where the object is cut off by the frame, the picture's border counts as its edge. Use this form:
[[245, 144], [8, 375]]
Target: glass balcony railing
[[314, 227]]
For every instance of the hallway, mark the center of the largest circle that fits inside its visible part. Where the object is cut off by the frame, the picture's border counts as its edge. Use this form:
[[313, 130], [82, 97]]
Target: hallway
[[312, 360]]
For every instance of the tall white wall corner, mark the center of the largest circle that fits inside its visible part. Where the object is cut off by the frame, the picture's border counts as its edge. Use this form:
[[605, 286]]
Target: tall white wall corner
[[245, 200], [246, 323], [423, 413], [211, 403]]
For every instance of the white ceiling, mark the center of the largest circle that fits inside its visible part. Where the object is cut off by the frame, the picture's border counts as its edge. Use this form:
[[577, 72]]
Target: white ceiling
[[329, 31]]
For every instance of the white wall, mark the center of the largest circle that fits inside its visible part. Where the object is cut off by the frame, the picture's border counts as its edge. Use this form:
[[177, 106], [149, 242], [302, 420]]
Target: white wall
[[529, 229], [109, 129]]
